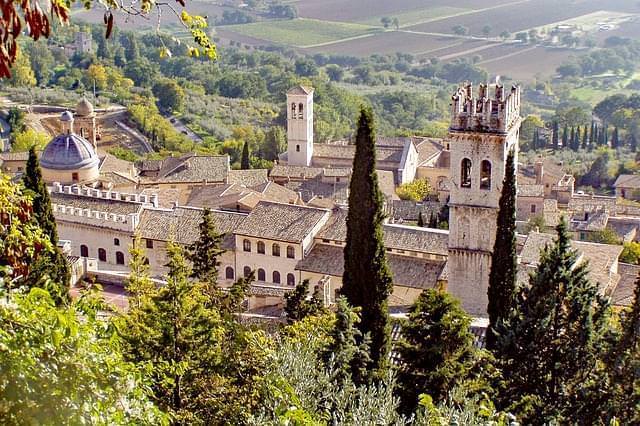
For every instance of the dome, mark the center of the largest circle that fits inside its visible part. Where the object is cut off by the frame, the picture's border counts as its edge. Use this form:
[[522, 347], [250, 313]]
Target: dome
[[66, 116], [69, 152], [84, 107]]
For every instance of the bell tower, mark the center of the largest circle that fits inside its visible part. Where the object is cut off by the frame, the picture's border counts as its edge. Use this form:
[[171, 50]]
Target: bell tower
[[300, 126], [482, 132]]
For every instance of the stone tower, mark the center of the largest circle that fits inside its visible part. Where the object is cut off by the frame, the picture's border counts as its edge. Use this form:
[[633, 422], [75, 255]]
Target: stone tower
[[483, 130], [300, 126], [85, 119]]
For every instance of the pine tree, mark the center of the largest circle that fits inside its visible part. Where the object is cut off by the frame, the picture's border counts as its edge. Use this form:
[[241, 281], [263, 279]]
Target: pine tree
[[565, 137], [555, 135], [52, 265], [298, 307], [205, 252], [436, 348], [367, 281], [176, 332], [420, 220], [504, 265], [549, 345], [245, 163]]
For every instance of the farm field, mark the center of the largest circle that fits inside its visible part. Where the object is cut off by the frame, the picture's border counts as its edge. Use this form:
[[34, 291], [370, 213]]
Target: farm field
[[524, 64], [410, 17], [302, 32]]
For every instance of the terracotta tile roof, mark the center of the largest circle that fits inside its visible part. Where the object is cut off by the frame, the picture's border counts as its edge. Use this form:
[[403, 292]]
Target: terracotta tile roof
[[285, 222], [118, 179], [248, 177], [530, 190], [627, 181], [597, 221], [109, 163], [409, 210], [347, 152], [624, 291], [313, 188], [428, 149], [95, 203], [336, 172], [407, 271], [167, 197], [399, 237], [294, 172], [300, 90], [197, 169], [181, 225], [271, 191]]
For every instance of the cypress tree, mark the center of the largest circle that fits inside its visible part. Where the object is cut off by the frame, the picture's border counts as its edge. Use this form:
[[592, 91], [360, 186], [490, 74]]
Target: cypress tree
[[367, 280], [572, 138], [433, 220], [549, 344], [245, 164], [534, 141], [504, 265], [565, 137], [585, 138], [576, 140], [420, 220], [554, 135], [633, 142], [205, 252], [615, 141], [51, 265]]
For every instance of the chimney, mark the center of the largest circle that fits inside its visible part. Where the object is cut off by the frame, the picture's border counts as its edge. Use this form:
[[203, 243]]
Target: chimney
[[539, 171]]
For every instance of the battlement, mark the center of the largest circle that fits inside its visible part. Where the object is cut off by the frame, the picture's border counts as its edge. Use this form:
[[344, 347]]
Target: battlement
[[147, 200], [123, 222], [497, 114]]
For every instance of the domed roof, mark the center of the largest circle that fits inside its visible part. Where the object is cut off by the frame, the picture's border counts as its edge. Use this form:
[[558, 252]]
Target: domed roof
[[84, 107], [69, 152], [66, 116]]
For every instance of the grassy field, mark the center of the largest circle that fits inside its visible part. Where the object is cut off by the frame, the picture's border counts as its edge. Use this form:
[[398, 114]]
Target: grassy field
[[302, 32], [412, 17]]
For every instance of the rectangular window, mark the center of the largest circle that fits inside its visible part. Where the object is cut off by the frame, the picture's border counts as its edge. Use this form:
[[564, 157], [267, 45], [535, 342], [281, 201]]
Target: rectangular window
[[74, 177], [533, 208], [149, 244]]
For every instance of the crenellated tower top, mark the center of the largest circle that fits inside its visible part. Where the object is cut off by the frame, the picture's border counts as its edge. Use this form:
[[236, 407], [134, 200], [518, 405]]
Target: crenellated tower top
[[497, 114]]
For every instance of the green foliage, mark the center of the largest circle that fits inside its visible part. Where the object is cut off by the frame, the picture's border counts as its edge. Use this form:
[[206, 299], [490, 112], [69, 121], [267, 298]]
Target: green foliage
[[205, 252], [550, 343], [631, 253], [504, 259], [61, 366], [604, 236], [367, 280], [138, 284], [16, 120], [417, 190], [28, 138], [170, 95], [297, 306], [124, 154], [245, 164], [436, 348], [160, 132]]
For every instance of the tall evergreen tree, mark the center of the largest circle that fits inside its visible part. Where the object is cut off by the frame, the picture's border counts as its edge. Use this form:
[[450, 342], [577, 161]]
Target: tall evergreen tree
[[433, 220], [245, 163], [585, 138], [565, 137], [367, 281], [205, 252], [572, 138], [615, 141], [436, 349], [420, 220], [549, 345], [504, 265], [555, 135], [633, 142], [52, 265], [138, 284]]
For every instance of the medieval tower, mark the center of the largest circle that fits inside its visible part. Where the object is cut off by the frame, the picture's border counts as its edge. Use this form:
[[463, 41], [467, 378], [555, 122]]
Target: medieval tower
[[300, 126], [483, 130]]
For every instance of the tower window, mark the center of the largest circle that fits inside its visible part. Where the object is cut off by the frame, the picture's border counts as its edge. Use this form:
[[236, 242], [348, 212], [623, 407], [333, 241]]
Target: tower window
[[74, 177], [485, 174], [293, 110], [300, 110], [533, 208], [297, 148], [465, 173]]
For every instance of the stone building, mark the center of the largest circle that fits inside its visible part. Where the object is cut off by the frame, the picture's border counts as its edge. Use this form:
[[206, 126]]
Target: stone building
[[483, 131], [628, 187]]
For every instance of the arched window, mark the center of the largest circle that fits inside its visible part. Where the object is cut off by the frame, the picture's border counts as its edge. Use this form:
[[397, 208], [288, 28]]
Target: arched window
[[291, 280], [485, 174], [116, 242], [276, 277], [246, 245], [260, 247], [291, 252], [465, 173], [119, 258], [261, 275], [297, 148], [228, 273], [300, 110], [293, 110], [247, 271], [145, 260], [102, 255], [275, 250], [84, 251]]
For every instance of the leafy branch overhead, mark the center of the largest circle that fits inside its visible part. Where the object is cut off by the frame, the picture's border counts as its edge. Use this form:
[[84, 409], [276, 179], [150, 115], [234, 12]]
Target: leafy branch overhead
[[17, 17]]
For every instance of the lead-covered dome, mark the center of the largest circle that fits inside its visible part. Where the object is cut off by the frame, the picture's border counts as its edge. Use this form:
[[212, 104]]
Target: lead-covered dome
[[84, 107], [69, 152]]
